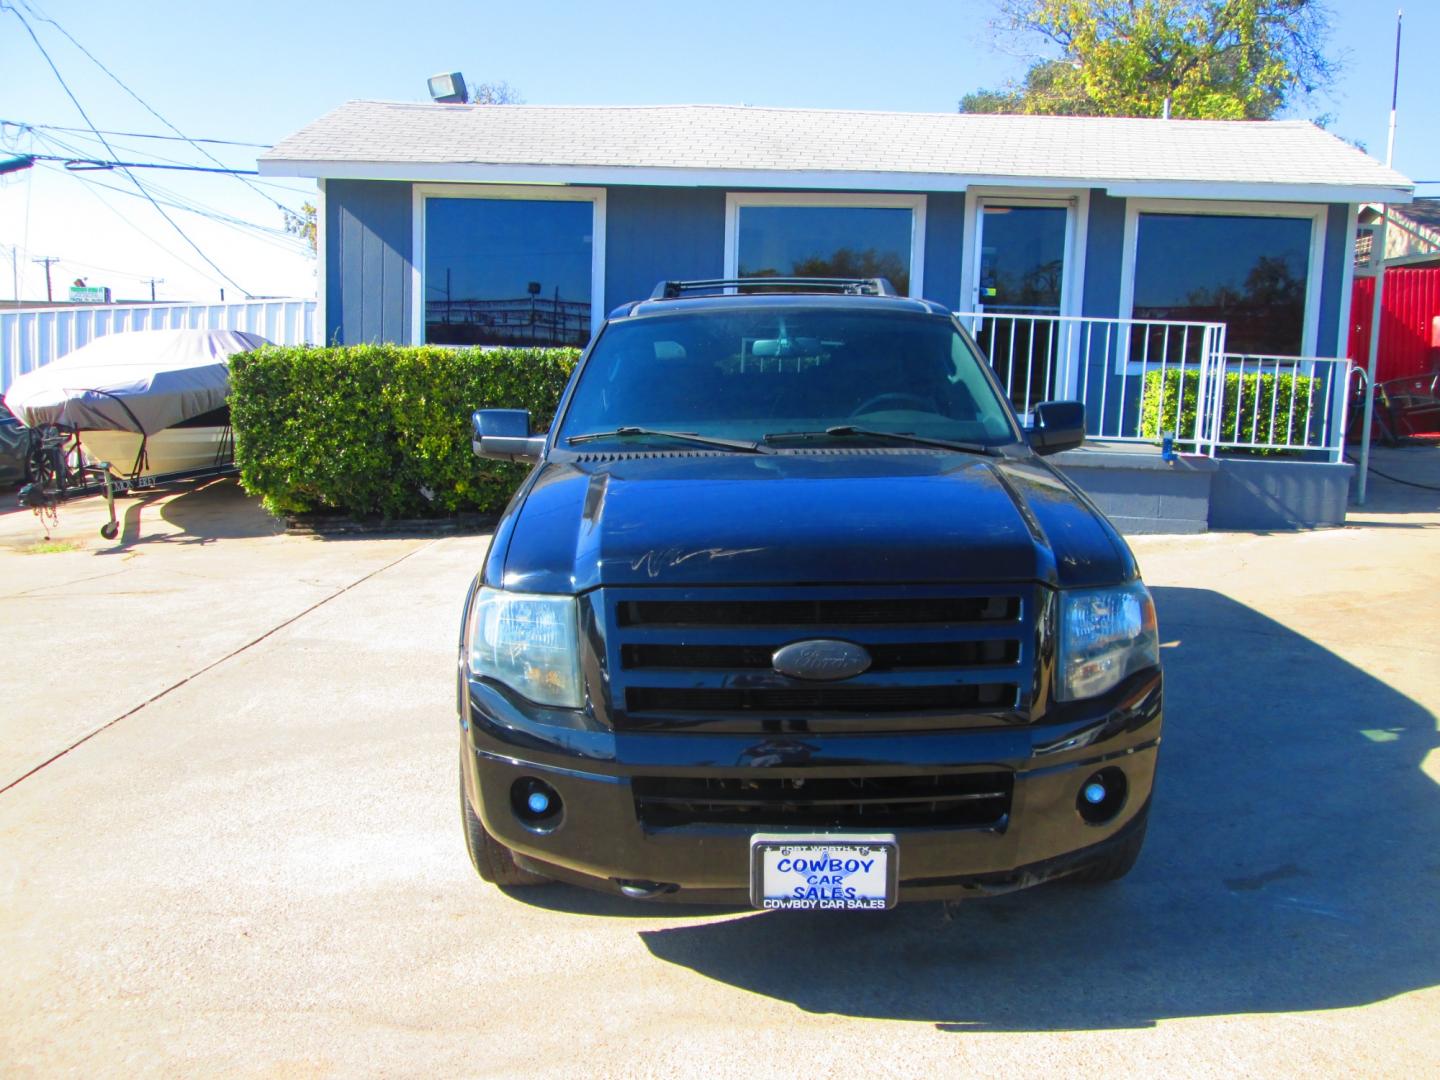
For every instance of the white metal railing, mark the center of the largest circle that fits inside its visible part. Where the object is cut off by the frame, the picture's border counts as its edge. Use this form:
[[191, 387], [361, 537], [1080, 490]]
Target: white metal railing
[[32, 337], [1280, 403], [1142, 378], [1137, 377]]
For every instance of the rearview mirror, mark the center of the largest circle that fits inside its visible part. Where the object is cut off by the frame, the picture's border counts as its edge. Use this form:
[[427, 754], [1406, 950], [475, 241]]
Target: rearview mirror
[[1058, 425], [504, 435]]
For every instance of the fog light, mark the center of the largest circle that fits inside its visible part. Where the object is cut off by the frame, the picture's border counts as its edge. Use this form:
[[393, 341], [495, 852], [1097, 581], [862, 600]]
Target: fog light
[[1102, 796], [536, 803]]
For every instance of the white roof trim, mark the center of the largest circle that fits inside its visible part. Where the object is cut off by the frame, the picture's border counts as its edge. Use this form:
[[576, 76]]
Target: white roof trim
[[788, 179]]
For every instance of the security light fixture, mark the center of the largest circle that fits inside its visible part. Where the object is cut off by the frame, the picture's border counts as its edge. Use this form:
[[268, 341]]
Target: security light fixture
[[449, 89]]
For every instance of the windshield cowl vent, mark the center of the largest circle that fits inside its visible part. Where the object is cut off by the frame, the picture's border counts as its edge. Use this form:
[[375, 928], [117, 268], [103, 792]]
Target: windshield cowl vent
[[594, 457]]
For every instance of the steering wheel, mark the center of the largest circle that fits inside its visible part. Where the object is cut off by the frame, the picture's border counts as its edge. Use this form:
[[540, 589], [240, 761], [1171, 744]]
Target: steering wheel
[[925, 403]]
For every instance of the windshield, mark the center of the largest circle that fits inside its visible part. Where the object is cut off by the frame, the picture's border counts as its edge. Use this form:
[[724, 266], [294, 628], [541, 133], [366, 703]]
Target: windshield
[[768, 372]]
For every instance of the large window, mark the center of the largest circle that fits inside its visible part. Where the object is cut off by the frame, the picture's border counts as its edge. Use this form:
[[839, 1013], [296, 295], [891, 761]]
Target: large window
[[508, 271], [827, 236], [1250, 273]]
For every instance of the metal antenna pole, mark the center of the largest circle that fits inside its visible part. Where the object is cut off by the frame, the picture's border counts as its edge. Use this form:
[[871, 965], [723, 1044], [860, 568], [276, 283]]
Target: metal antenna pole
[[1378, 298], [1394, 92]]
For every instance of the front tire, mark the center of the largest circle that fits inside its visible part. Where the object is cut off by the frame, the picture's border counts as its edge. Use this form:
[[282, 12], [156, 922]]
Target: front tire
[[1119, 861], [493, 861]]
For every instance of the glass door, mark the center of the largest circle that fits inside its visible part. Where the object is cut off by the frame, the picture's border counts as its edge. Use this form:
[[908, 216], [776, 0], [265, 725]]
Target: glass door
[[1021, 250]]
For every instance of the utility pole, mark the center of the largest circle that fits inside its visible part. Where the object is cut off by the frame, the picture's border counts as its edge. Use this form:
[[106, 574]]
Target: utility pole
[[47, 260], [15, 273], [153, 283]]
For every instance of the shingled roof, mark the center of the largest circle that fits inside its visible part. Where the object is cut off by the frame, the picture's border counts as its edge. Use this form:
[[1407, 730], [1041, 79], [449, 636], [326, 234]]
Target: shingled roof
[[718, 145]]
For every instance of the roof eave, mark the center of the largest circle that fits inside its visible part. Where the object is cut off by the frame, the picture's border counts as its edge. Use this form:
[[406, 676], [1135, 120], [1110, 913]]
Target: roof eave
[[816, 180]]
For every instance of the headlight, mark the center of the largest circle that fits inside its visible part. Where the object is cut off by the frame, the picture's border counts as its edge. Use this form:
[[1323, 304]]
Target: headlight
[[528, 642], [1105, 634]]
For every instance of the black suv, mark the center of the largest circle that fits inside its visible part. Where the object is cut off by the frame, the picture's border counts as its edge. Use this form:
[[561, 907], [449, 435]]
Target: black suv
[[792, 611]]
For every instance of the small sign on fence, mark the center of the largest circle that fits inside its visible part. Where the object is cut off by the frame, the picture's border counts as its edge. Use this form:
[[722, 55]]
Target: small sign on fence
[[89, 294]]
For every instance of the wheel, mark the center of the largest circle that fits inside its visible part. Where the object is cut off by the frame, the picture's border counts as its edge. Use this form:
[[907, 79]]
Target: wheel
[[493, 861], [110, 530], [1121, 859]]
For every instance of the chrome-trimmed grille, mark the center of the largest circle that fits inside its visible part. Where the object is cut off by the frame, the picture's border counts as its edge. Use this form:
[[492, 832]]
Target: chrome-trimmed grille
[[702, 657]]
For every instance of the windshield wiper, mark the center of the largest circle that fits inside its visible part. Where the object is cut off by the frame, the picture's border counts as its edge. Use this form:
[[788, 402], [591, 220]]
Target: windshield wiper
[[683, 436], [849, 430]]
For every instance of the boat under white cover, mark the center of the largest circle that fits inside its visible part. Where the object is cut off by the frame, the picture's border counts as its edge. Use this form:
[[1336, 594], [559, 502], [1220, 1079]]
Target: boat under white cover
[[177, 449], [165, 387]]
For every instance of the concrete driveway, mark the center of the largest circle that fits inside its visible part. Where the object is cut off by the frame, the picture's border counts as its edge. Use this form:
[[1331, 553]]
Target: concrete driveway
[[229, 841]]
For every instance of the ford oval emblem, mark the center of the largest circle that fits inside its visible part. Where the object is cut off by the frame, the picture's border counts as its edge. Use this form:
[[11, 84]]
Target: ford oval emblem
[[821, 660]]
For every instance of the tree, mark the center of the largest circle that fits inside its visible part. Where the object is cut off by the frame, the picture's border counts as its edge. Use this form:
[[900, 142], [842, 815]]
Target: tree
[[1213, 59], [303, 224], [1052, 87], [494, 93]]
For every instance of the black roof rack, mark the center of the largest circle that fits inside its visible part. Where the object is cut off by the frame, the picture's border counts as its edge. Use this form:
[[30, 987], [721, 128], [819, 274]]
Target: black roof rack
[[879, 286]]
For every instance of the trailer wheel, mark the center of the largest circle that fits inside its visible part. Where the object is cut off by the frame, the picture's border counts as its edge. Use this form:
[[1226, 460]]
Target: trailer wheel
[[110, 530]]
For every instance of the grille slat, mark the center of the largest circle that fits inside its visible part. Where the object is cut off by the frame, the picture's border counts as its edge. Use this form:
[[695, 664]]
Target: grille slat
[[824, 613], [845, 699], [935, 654], [979, 800]]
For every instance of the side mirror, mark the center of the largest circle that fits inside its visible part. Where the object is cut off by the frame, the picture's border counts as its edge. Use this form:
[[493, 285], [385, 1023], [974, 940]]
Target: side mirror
[[504, 435], [1058, 425]]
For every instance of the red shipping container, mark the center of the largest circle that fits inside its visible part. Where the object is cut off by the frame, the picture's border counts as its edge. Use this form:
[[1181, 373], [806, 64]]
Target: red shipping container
[[1407, 322]]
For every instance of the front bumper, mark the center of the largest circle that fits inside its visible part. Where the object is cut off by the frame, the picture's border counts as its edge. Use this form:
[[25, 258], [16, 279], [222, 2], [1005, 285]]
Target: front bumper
[[599, 841]]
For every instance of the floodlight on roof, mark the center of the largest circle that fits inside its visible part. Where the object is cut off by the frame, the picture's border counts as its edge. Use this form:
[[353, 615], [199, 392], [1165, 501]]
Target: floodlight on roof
[[449, 89]]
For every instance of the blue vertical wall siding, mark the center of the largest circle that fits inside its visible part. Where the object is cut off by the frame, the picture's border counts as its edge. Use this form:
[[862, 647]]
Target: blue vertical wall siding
[[944, 234], [1339, 224], [1104, 255], [661, 233], [368, 261]]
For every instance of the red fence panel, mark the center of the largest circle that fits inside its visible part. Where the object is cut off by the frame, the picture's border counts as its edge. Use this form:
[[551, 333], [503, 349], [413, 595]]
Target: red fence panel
[[1411, 303]]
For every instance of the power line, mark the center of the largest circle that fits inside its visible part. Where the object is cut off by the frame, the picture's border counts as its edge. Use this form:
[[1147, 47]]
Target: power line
[[148, 108], [91, 188], [84, 164], [64, 260], [86, 116], [277, 237], [133, 134], [169, 197]]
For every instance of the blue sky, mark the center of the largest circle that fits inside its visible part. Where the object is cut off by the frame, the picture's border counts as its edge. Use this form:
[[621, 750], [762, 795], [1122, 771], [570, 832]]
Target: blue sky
[[256, 71]]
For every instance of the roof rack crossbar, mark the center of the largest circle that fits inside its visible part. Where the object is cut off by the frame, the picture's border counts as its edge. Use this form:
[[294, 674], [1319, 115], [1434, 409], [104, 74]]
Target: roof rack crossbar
[[878, 286]]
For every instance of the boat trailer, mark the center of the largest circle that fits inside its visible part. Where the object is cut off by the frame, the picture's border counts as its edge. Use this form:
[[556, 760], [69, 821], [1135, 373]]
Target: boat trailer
[[58, 471]]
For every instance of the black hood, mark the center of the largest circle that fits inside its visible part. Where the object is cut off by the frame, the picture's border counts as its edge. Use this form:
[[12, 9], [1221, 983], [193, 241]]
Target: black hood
[[808, 517]]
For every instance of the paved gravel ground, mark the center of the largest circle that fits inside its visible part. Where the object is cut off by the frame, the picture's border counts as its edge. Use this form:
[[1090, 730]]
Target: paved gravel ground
[[229, 841]]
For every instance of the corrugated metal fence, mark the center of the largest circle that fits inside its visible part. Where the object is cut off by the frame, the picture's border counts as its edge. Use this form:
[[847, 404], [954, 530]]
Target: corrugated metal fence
[[1411, 301], [32, 338]]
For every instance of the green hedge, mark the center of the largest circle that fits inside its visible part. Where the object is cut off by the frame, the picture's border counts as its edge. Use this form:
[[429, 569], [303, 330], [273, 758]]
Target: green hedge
[[1163, 394], [382, 429]]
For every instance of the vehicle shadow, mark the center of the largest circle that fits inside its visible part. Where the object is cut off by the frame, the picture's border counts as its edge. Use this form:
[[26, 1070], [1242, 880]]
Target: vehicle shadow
[[1292, 864]]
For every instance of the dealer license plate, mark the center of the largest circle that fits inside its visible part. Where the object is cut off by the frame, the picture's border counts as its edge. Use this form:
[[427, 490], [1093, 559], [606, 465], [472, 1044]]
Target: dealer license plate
[[844, 871]]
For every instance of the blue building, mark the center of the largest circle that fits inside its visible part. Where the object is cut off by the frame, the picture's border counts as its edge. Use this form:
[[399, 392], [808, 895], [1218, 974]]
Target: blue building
[[1089, 254]]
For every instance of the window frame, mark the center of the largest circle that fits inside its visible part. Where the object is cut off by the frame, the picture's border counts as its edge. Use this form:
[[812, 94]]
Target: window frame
[[1077, 238], [525, 192], [735, 201], [1315, 213]]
